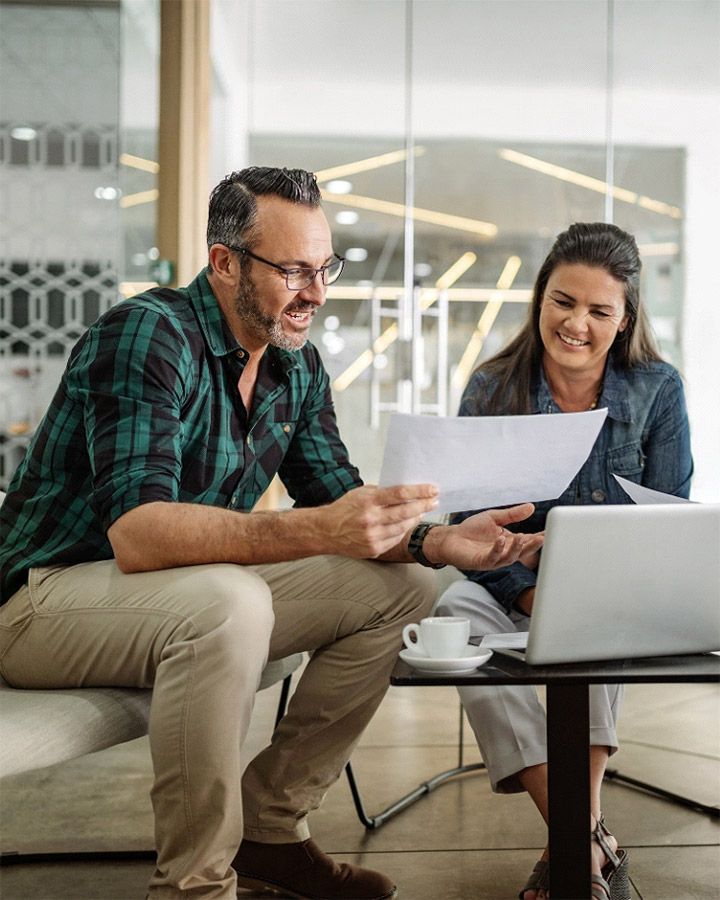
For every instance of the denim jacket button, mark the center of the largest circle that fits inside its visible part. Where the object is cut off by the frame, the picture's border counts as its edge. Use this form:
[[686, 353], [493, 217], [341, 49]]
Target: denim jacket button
[[598, 496]]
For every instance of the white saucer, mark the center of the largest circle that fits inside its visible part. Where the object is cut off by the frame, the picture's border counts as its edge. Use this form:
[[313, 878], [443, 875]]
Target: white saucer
[[471, 658]]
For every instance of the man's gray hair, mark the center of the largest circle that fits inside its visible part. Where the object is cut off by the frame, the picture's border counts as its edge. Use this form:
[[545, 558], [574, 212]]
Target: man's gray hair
[[232, 216]]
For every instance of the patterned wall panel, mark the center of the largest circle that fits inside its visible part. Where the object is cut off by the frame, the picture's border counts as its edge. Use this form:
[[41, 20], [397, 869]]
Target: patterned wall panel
[[61, 239], [59, 264]]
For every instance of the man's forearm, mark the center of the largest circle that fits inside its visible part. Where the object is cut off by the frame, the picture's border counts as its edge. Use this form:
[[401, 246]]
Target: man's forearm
[[364, 523], [167, 535]]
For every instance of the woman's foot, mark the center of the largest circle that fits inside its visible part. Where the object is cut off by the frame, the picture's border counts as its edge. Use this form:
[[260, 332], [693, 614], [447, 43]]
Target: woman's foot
[[537, 887], [610, 880], [599, 848]]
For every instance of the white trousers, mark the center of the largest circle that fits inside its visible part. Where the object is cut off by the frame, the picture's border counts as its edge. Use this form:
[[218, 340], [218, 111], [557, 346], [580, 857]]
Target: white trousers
[[509, 722]]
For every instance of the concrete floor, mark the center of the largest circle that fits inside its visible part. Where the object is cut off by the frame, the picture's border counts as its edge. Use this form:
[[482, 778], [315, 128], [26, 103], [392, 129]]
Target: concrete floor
[[458, 843]]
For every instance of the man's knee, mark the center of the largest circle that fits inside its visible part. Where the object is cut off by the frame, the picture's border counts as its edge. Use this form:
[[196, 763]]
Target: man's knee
[[231, 610], [421, 590]]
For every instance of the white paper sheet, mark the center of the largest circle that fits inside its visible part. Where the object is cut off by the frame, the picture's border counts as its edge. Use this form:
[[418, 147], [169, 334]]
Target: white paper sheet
[[511, 640], [642, 495], [488, 461]]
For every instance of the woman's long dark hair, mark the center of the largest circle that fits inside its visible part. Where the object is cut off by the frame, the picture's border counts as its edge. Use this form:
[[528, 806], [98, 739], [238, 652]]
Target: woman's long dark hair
[[608, 247]]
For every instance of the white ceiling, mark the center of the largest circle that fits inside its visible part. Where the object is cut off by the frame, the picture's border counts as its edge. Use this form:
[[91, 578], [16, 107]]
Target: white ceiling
[[471, 41]]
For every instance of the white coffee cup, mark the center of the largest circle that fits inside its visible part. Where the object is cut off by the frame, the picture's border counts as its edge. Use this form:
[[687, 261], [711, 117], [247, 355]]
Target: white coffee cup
[[440, 637]]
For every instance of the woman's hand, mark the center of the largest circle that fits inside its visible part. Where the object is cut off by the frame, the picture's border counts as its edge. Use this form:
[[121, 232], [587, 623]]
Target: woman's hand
[[524, 601]]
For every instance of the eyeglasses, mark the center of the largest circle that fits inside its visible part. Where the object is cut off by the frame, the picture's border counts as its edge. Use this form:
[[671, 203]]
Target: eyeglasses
[[297, 279]]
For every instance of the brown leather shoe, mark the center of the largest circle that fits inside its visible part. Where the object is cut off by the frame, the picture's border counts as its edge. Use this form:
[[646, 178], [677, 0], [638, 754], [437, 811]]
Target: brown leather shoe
[[303, 870]]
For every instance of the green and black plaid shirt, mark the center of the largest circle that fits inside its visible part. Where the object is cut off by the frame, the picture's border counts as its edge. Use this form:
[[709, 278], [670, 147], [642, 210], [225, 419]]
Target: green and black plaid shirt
[[148, 409]]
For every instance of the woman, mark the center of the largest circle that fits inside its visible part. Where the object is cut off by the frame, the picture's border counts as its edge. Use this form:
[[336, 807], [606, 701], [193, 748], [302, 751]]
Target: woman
[[586, 344]]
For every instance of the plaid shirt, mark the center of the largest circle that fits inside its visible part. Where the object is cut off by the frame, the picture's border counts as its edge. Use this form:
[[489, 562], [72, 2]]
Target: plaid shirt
[[148, 409]]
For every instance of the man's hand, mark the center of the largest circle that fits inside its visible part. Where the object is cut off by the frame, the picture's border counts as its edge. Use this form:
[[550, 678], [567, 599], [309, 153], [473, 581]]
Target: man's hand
[[482, 541], [368, 521]]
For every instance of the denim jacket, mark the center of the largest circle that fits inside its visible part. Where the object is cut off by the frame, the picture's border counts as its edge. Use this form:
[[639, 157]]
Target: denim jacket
[[645, 438]]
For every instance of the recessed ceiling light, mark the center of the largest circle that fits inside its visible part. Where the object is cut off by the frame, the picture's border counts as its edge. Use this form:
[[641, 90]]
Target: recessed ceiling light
[[23, 133], [346, 217], [338, 186], [106, 193], [333, 343], [422, 270], [356, 254]]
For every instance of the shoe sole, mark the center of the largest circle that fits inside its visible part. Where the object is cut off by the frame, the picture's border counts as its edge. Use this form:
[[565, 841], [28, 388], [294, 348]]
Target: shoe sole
[[244, 881], [256, 884]]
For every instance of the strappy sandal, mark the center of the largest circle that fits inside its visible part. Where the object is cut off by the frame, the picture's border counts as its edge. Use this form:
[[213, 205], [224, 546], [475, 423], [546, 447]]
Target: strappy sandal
[[539, 880], [614, 883]]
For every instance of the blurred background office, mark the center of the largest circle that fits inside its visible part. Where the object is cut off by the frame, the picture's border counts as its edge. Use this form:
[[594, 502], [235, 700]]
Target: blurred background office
[[452, 140]]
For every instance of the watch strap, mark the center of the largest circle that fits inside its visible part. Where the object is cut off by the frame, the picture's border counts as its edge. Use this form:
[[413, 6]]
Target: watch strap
[[415, 545]]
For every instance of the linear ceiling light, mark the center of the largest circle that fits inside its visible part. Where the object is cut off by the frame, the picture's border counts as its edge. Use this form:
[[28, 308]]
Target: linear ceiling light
[[510, 270], [139, 162], [659, 206], [669, 249], [459, 223], [586, 181], [141, 197], [485, 323], [456, 271], [130, 288], [338, 291], [355, 369], [380, 345], [366, 165]]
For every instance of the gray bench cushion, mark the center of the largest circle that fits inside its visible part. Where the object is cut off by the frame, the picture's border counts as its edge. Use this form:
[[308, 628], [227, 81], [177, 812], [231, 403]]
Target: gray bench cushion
[[40, 728]]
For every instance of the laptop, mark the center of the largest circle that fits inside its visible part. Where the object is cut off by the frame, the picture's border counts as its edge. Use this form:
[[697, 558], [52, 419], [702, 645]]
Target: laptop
[[618, 582]]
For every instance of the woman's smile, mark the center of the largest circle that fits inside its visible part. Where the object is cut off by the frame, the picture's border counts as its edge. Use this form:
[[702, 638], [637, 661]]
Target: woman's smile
[[570, 341]]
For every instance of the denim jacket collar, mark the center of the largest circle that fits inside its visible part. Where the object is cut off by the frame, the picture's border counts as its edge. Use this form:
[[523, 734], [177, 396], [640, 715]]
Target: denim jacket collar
[[615, 395]]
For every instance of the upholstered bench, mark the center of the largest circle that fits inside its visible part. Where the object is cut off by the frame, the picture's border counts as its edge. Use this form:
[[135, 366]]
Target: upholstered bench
[[42, 727]]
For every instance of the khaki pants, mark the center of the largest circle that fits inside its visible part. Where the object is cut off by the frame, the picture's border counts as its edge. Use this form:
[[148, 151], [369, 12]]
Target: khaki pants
[[200, 637]]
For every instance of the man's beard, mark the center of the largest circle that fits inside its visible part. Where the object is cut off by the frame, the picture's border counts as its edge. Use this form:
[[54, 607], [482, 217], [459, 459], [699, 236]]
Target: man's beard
[[263, 326]]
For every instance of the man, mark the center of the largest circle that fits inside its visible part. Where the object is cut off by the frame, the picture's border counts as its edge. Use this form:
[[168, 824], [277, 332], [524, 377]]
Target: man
[[130, 555]]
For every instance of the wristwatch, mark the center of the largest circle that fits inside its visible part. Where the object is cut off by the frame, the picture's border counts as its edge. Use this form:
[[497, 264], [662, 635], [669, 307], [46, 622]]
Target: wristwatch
[[415, 545]]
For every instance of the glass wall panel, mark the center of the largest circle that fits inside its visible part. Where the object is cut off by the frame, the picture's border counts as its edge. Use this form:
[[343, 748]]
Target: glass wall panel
[[66, 172], [59, 182], [328, 94], [138, 165], [666, 128], [521, 117]]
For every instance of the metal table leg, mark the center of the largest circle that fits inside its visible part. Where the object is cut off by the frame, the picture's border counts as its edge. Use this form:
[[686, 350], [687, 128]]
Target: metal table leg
[[568, 729]]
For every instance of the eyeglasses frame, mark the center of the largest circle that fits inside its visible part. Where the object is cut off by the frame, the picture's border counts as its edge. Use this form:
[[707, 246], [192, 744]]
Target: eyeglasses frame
[[288, 272]]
